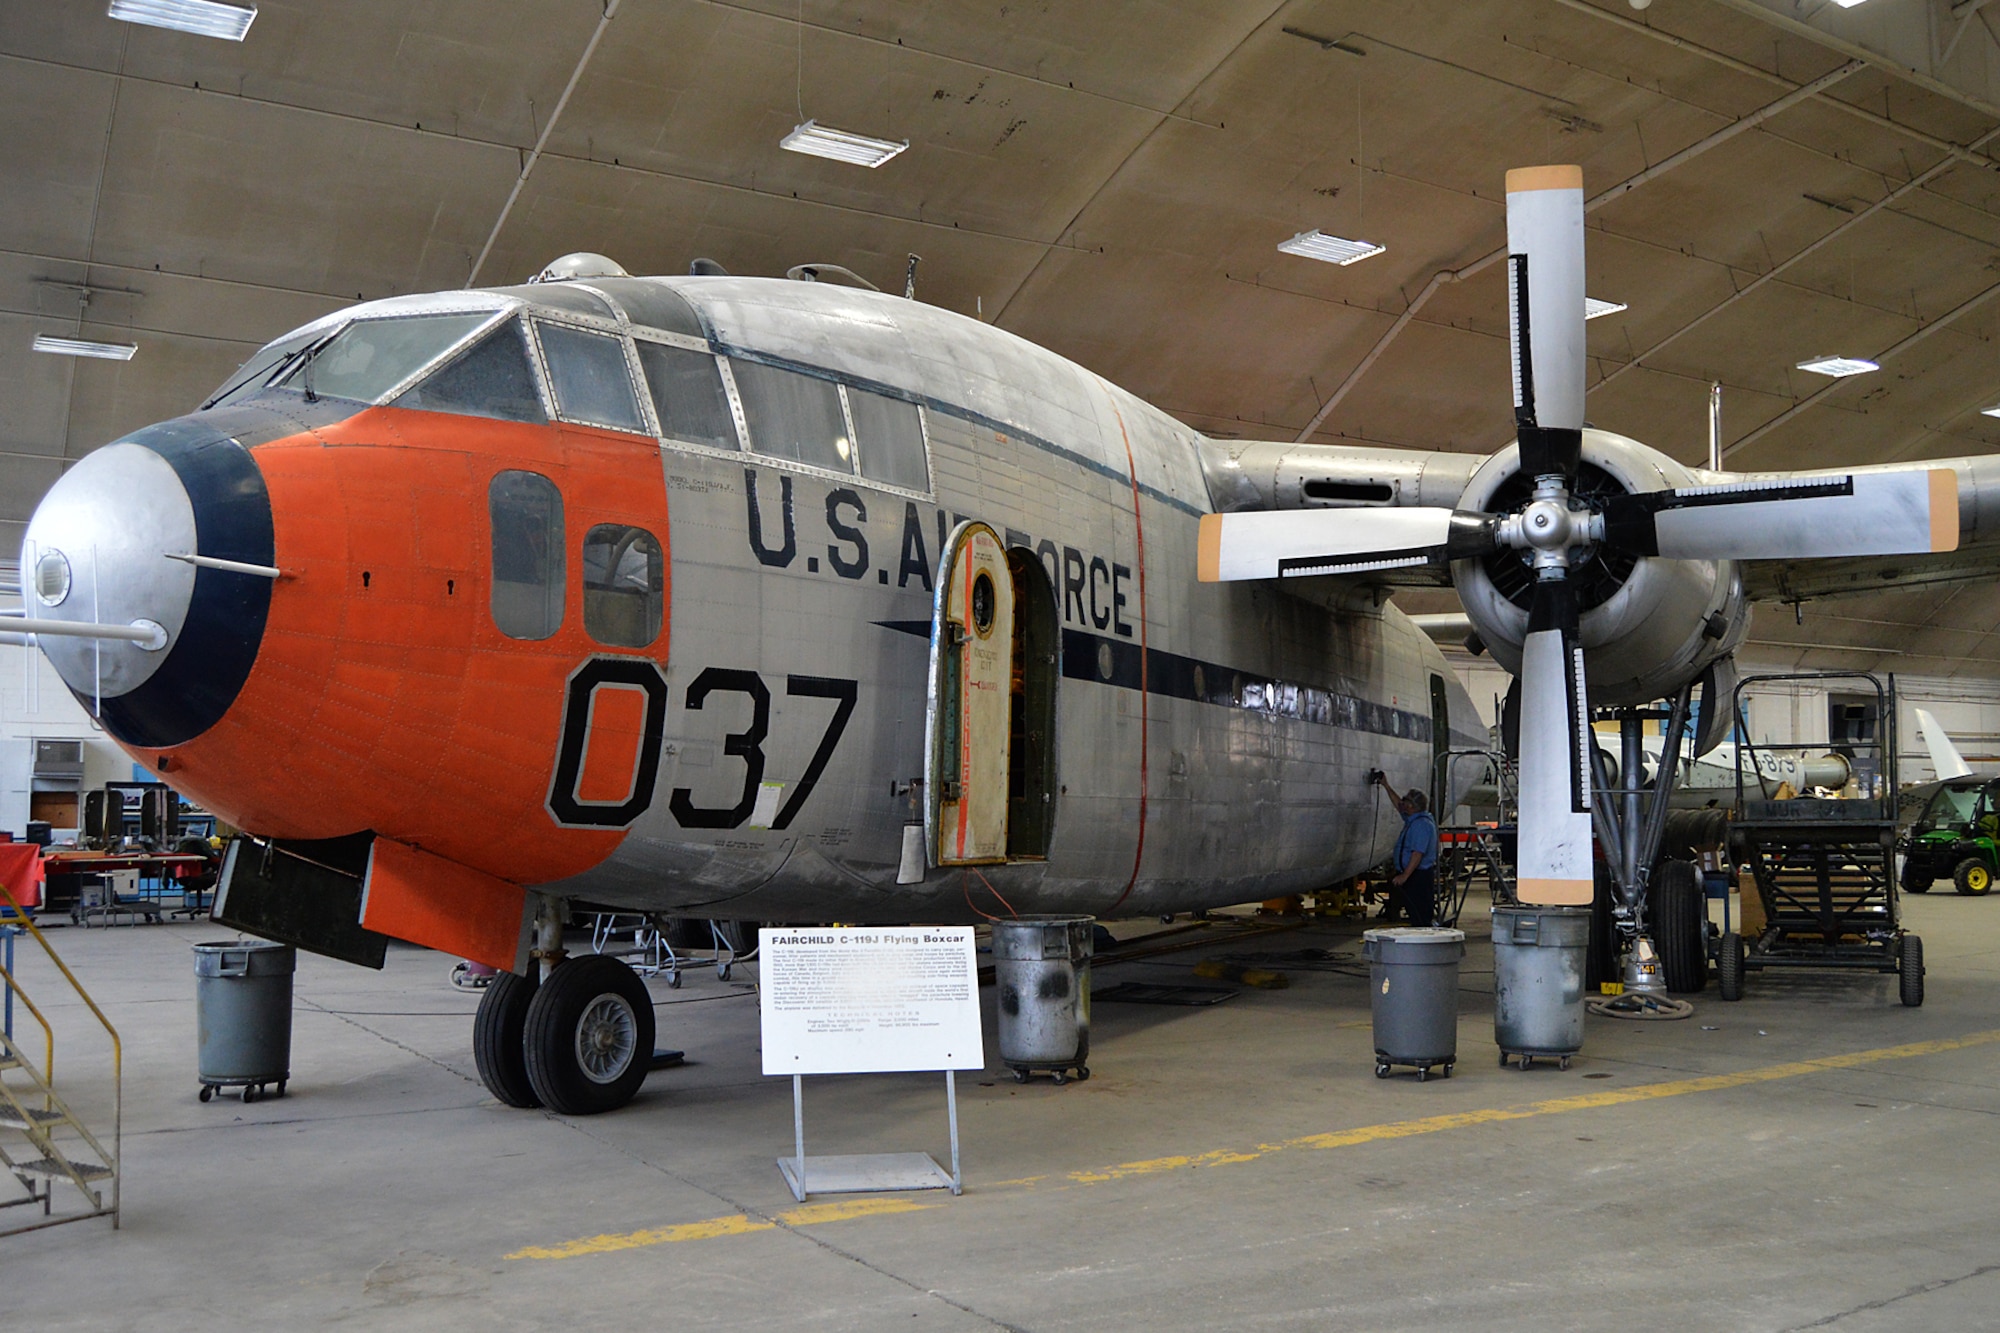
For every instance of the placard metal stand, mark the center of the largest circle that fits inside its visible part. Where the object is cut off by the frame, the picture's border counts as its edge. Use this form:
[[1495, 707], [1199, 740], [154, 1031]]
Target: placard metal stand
[[865, 1173], [869, 1000]]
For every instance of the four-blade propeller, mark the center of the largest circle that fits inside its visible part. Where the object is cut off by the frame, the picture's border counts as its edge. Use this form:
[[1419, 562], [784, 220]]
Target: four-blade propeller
[[1878, 512]]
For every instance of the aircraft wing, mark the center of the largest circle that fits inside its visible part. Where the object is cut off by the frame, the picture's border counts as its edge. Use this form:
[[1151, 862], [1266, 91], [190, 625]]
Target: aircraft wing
[[1976, 560]]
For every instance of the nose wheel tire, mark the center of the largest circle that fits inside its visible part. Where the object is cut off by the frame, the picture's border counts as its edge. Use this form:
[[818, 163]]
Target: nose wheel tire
[[589, 1036], [498, 1040]]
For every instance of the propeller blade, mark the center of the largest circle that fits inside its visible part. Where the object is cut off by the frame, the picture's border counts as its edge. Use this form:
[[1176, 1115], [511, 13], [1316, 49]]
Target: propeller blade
[[1863, 513], [1555, 843], [1545, 315], [1296, 543]]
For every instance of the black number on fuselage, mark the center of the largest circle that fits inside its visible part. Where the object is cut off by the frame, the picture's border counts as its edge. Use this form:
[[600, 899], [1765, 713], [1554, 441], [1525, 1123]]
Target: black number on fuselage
[[817, 687], [572, 751], [747, 745]]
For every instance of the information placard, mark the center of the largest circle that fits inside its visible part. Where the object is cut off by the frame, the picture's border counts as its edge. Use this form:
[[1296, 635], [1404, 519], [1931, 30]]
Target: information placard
[[869, 999]]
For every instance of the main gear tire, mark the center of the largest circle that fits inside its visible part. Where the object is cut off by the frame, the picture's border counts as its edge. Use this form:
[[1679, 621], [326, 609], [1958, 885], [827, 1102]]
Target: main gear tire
[[499, 1049], [1680, 927], [589, 1036]]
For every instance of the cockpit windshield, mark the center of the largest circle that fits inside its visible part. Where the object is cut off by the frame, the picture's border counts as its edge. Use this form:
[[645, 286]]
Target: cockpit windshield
[[372, 356], [252, 374]]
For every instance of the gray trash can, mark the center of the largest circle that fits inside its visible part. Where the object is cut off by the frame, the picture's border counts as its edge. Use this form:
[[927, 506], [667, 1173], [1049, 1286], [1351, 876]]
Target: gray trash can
[[243, 1016], [1539, 955], [1413, 995], [1041, 966]]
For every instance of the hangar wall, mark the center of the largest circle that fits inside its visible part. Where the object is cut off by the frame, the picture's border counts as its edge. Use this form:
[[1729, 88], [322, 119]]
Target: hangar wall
[[36, 705]]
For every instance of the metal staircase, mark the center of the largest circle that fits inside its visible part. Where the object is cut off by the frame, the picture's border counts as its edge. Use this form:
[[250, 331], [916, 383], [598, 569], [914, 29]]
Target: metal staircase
[[58, 1161]]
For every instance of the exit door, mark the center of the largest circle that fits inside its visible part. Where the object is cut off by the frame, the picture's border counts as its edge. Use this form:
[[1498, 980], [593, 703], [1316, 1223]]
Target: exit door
[[972, 667]]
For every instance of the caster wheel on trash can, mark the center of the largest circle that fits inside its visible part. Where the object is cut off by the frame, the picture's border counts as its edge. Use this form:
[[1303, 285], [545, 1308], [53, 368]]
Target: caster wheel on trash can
[[1381, 1071], [1527, 1060], [281, 1086], [1059, 1077], [1020, 1076], [1423, 1073], [1563, 1063], [249, 1093], [207, 1091], [1082, 1074]]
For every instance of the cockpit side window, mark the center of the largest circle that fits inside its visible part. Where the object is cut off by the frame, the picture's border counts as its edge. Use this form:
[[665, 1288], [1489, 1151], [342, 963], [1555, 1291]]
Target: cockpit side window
[[793, 416], [590, 378], [527, 514], [492, 378], [687, 395], [890, 434], [370, 357], [624, 585]]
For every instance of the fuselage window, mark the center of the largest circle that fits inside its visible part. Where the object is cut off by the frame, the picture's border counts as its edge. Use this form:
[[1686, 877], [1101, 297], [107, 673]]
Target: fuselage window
[[891, 439], [687, 395], [492, 378], [624, 585], [372, 356], [591, 380], [793, 416], [527, 513]]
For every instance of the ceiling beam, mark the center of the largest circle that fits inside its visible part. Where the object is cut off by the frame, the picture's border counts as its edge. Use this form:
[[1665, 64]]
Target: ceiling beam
[[1618, 191], [1941, 322]]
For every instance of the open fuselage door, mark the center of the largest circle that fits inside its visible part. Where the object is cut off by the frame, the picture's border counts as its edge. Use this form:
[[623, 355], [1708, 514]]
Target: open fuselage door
[[972, 667], [995, 661]]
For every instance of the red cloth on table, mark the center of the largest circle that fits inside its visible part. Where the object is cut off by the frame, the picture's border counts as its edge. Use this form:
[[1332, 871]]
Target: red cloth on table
[[21, 872]]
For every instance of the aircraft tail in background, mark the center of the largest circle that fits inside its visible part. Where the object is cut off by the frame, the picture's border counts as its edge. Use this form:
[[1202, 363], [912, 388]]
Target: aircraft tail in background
[[1945, 757]]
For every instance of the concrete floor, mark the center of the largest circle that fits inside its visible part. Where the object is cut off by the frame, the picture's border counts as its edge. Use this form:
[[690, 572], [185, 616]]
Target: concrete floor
[[1815, 1156]]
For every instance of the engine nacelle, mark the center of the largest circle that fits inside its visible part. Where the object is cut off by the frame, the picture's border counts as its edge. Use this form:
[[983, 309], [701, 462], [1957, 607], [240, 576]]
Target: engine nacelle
[[1648, 626]]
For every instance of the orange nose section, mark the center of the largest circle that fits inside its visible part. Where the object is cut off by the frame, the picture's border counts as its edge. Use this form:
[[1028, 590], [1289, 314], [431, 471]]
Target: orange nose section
[[384, 697]]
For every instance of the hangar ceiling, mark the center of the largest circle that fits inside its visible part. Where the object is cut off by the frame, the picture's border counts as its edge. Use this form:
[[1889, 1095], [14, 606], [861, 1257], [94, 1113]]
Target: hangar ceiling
[[1109, 180]]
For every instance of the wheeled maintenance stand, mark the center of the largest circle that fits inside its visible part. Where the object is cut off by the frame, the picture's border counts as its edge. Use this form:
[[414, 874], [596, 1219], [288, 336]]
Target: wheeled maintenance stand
[[1413, 996], [1041, 966], [243, 1016], [1539, 956]]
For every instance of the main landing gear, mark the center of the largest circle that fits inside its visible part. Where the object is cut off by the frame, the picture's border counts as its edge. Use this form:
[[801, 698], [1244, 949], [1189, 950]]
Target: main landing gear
[[579, 1043]]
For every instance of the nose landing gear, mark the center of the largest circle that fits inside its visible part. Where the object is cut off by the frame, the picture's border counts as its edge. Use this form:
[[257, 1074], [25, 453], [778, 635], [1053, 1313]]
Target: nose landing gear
[[579, 1043]]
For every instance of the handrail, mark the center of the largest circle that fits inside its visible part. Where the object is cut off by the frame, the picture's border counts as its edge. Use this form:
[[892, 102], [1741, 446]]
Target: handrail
[[117, 1154], [48, 1034]]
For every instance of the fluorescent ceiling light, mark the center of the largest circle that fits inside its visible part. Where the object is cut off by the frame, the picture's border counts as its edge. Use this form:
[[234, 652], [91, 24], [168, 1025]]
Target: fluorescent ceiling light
[[1592, 307], [825, 141], [1849, 4], [1317, 244], [203, 18], [1993, 411], [84, 347], [1838, 366]]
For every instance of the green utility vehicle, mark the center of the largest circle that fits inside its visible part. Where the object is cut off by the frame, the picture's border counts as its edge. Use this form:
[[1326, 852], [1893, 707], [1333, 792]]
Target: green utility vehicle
[[1955, 839]]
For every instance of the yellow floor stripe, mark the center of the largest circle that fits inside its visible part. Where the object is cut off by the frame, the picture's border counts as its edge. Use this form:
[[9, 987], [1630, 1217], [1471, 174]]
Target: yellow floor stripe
[[741, 1224], [816, 1213]]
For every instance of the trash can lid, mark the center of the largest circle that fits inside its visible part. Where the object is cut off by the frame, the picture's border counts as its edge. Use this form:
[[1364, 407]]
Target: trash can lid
[[1415, 935]]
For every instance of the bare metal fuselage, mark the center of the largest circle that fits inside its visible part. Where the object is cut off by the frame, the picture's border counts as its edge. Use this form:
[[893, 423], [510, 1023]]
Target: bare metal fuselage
[[1212, 741]]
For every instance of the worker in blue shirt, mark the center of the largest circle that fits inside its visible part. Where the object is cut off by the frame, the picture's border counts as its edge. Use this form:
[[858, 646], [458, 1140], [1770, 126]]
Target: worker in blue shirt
[[1413, 877]]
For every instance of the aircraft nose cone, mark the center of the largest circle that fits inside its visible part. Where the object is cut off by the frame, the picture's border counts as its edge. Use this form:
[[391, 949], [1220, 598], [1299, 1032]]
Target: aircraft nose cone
[[100, 550]]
